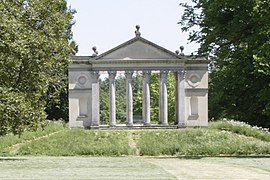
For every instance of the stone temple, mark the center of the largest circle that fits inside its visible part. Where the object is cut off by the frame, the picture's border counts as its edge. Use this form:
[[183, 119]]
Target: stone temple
[[139, 54]]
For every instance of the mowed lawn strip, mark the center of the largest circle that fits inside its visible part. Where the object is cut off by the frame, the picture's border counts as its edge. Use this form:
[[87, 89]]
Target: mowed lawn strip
[[47, 167]]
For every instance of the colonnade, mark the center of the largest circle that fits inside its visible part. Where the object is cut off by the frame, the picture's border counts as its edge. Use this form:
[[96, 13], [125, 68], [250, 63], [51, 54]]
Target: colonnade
[[163, 98]]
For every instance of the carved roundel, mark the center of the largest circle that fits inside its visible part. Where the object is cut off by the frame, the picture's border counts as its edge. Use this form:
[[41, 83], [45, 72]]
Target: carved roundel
[[194, 80], [82, 79]]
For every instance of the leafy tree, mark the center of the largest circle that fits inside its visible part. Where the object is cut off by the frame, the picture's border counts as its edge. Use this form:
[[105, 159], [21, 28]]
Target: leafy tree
[[120, 85], [57, 94], [235, 35], [154, 91], [120, 99], [35, 39], [16, 112], [104, 101]]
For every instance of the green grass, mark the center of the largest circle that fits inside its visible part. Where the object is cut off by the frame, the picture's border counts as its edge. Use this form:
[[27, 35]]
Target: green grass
[[193, 142], [80, 168], [241, 128], [6, 142], [73, 142], [221, 138]]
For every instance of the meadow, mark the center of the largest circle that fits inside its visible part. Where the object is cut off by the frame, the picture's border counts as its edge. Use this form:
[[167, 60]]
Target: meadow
[[222, 138]]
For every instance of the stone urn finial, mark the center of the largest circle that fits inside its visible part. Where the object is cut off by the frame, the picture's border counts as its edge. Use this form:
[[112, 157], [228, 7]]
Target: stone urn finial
[[177, 52], [95, 51], [182, 49], [137, 32]]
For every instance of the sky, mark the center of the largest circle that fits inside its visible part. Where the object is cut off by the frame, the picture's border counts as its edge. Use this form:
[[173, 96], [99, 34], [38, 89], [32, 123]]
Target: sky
[[109, 23]]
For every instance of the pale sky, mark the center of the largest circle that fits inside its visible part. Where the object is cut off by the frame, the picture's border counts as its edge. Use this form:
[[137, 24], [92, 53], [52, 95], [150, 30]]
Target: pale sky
[[109, 23]]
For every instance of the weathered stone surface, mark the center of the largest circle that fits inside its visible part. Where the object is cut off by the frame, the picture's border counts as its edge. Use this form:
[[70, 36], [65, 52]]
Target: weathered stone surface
[[139, 54]]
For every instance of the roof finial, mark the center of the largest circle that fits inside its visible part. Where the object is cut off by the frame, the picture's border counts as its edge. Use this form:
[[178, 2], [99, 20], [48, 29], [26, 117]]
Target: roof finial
[[137, 32], [182, 49], [95, 51], [177, 52]]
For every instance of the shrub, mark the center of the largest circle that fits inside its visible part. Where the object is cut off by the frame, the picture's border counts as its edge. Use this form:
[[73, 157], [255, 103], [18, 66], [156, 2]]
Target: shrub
[[17, 113]]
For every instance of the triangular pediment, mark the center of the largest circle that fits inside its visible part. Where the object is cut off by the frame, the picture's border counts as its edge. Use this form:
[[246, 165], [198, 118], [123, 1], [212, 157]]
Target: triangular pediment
[[138, 48]]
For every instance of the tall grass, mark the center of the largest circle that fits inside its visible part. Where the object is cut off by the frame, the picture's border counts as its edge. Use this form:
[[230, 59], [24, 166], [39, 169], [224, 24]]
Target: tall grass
[[6, 142], [199, 142], [221, 138], [80, 142], [241, 128]]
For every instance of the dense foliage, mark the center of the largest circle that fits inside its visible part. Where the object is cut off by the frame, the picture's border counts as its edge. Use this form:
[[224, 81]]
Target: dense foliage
[[16, 112], [235, 35], [35, 39]]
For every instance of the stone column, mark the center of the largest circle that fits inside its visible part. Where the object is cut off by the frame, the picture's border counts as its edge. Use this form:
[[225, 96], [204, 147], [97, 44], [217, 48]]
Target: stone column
[[146, 98], [95, 99], [181, 98], [129, 98], [176, 98], [163, 98], [112, 75]]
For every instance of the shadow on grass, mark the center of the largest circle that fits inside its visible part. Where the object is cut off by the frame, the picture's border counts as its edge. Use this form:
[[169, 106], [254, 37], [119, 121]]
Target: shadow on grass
[[201, 157], [12, 159]]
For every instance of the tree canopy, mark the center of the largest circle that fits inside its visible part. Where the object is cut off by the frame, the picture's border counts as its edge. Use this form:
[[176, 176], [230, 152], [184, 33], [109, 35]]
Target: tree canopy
[[35, 38], [235, 35]]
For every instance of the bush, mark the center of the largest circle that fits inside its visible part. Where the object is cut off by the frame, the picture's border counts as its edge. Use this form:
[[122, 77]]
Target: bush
[[17, 113]]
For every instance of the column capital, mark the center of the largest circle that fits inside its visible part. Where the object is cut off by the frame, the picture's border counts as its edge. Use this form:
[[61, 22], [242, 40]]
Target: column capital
[[181, 73], [129, 74], [146, 76], [146, 72], [163, 74], [112, 74], [94, 74]]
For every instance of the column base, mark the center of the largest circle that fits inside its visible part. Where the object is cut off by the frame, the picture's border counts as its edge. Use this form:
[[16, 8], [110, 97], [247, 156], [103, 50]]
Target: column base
[[181, 125], [147, 124], [163, 124], [94, 127], [129, 124], [112, 125]]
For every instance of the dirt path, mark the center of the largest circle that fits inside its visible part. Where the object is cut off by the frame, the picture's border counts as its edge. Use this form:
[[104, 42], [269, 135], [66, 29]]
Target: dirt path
[[132, 142], [15, 147], [215, 168]]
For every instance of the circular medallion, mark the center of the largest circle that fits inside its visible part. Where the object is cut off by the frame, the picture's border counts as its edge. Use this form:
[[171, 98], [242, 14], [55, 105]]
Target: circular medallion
[[82, 80], [194, 80]]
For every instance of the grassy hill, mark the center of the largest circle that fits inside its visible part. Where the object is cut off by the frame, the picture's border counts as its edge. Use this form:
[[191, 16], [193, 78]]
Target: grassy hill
[[221, 138]]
